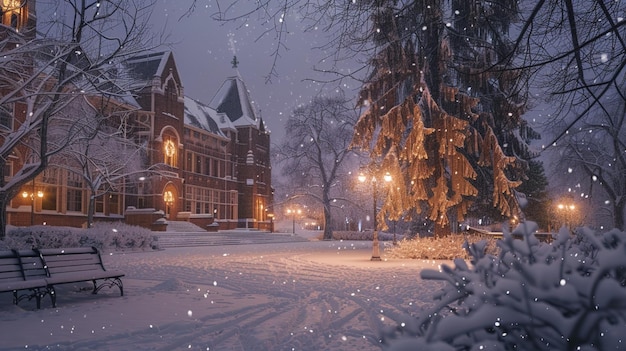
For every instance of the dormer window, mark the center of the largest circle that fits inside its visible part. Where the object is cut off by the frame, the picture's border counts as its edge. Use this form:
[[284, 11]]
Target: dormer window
[[13, 13]]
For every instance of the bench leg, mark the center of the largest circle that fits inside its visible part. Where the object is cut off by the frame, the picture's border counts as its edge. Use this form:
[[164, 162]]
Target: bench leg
[[49, 290], [38, 295], [33, 293], [53, 295], [109, 282]]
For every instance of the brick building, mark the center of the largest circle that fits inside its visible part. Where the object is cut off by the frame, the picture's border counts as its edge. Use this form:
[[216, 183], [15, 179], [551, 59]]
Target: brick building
[[208, 163], [215, 156]]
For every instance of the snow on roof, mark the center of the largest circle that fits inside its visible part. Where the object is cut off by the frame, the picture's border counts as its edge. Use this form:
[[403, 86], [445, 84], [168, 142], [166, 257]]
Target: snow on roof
[[202, 116], [145, 67], [233, 99]]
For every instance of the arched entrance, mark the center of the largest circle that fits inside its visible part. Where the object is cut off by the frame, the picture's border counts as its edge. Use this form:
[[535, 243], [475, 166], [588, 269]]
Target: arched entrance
[[170, 197]]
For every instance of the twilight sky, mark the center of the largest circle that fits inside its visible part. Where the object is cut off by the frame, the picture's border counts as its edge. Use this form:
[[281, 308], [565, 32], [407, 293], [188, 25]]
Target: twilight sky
[[204, 48]]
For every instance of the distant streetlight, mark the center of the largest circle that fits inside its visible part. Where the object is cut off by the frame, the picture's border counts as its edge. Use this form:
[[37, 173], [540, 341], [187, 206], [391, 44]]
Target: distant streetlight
[[567, 211], [294, 213], [372, 179], [32, 196]]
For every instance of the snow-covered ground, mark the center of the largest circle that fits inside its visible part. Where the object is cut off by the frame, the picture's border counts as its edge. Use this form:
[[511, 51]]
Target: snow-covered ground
[[317, 295]]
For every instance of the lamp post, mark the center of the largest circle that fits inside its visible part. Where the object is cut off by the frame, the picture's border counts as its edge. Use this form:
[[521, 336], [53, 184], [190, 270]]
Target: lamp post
[[271, 217], [32, 196], [375, 245], [293, 213]]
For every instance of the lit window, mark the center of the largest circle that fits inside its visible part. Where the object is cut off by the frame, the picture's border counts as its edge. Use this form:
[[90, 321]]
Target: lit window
[[12, 12], [169, 149]]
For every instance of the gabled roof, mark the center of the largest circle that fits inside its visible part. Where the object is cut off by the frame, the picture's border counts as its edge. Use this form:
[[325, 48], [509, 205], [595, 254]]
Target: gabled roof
[[202, 116], [145, 67], [233, 99]]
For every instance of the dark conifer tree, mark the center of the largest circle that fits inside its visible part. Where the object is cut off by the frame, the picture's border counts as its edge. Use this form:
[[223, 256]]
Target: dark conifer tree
[[444, 109]]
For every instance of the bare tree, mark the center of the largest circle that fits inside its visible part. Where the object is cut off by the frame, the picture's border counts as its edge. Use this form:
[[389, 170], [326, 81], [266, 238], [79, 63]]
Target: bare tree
[[578, 50], [315, 150], [104, 153], [590, 158], [75, 53]]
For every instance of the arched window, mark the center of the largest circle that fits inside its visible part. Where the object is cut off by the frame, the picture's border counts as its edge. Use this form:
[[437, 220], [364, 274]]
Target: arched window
[[170, 152]]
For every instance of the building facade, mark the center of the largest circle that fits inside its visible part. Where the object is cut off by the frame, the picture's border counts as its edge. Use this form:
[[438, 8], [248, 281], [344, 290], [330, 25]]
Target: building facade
[[208, 164]]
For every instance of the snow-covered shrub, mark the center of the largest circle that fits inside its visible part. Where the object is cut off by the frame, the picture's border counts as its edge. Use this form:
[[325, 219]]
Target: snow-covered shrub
[[42, 236], [119, 236], [104, 236], [566, 295], [444, 248]]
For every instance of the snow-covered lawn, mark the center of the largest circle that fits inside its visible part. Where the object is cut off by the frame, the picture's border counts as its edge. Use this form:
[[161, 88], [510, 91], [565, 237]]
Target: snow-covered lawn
[[319, 295]]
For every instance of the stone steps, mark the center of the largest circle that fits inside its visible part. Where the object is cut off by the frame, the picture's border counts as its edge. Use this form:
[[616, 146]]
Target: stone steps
[[183, 227], [191, 239]]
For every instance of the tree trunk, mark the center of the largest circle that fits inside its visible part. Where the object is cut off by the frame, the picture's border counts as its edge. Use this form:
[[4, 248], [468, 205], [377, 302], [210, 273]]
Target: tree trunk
[[5, 199], [3, 217], [91, 208], [618, 214], [328, 231], [441, 230]]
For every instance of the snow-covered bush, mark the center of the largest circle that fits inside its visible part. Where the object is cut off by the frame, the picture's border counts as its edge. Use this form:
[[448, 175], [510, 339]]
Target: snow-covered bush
[[119, 236], [104, 236], [566, 295], [444, 248]]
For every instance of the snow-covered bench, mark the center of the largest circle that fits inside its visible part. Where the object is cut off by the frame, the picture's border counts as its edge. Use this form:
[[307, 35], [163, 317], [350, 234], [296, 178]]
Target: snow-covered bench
[[24, 270], [74, 265]]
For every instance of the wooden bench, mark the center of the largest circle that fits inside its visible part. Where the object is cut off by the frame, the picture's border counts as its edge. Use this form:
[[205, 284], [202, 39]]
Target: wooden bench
[[24, 270], [76, 265], [38, 271]]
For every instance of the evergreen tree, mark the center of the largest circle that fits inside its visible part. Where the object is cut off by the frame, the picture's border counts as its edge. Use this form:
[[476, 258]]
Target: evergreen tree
[[444, 109], [538, 203]]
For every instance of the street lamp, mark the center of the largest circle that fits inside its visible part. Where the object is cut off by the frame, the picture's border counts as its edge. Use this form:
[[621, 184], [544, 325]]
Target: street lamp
[[32, 196], [293, 213], [271, 217], [567, 211], [375, 245]]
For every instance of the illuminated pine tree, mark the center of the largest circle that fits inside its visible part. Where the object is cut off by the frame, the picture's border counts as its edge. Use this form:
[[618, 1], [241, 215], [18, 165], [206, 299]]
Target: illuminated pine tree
[[443, 111]]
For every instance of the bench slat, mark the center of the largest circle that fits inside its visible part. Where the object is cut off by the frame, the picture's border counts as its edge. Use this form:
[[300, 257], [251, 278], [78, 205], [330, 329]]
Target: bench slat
[[75, 277], [12, 275], [22, 285], [73, 250]]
